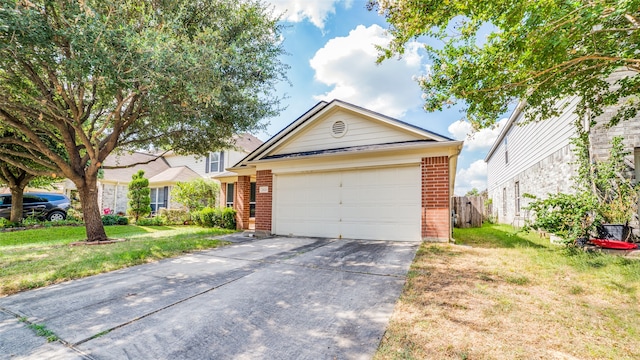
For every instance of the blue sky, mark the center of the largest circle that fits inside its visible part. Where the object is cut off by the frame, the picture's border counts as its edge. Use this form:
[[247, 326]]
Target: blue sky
[[332, 55]]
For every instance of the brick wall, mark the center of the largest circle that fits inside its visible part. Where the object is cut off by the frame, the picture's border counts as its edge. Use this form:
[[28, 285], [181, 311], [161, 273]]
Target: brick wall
[[223, 195], [264, 178], [241, 202], [436, 200]]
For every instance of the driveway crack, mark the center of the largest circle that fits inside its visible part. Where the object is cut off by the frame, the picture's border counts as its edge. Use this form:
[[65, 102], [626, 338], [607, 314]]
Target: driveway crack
[[157, 311]]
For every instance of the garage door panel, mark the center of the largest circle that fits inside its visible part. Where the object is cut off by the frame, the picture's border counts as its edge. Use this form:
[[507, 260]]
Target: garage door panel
[[380, 204]]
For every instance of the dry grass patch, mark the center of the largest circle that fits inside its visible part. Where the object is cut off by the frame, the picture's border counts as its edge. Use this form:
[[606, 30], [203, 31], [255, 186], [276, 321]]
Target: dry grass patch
[[519, 299]]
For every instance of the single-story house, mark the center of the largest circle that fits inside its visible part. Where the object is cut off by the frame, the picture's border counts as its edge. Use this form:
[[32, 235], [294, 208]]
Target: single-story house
[[342, 171]]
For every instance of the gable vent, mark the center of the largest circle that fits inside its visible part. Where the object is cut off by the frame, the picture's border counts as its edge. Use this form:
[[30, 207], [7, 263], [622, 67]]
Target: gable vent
[[339, 128]]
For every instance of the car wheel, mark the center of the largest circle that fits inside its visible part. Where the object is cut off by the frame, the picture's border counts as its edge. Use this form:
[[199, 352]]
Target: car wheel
[[56, 216]]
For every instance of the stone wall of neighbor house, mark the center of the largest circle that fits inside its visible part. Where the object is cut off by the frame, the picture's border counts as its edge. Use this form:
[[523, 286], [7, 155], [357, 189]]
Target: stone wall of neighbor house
[[601, 138], [114, 197], [550, 175], [629, 130]]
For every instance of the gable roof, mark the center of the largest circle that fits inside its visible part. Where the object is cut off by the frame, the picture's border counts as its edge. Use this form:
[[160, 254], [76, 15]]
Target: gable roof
[[247, 142], [305, 120], [149, 163], [174, 174]]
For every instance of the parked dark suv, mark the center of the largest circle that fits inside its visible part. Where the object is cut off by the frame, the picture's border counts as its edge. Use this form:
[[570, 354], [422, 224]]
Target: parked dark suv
[[41, 205]]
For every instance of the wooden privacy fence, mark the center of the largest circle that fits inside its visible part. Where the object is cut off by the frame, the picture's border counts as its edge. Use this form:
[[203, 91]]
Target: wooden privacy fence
[[469, 211]]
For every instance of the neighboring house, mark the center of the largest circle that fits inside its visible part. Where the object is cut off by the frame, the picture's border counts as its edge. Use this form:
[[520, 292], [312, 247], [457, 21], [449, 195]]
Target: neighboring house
[[342, 171], [113, 187], [163, 173], [537, 158]]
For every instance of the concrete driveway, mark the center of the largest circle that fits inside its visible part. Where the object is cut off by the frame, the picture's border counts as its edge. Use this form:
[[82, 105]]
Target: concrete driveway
[[278, 298]]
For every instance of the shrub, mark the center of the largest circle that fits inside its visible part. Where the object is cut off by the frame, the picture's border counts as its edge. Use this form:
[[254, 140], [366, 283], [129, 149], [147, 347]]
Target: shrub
[[174, 216], [31, 221], [196, 194], [228, 218], [567, 215], [208, 217], [114, 220], [139, 196], [67, 222], [215, 217], [5, 223], [154, 221]]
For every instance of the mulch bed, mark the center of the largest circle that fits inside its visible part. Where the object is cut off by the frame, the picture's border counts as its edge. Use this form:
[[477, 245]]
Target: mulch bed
[[106, 242]]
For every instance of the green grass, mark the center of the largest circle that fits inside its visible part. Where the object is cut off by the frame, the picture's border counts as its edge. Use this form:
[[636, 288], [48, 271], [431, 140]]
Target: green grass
[[40, 257], [66, 234], [41, 330], [604, 268]]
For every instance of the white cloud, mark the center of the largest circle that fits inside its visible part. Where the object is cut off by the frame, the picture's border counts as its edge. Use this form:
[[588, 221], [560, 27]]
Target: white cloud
[[299, 10], [348, 64], [480, 140], [475, 176]]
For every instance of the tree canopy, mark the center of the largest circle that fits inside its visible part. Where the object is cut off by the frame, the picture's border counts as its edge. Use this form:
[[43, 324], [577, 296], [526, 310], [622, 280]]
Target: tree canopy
[[94, 76], [196, 194], [490, 54]]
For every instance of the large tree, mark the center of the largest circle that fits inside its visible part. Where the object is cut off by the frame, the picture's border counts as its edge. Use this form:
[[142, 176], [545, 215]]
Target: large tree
[[100, 75], [17, 179], [17, 173], [490, 54]]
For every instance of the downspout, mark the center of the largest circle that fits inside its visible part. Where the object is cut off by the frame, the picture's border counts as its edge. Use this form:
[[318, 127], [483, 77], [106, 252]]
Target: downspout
[[451, 187]]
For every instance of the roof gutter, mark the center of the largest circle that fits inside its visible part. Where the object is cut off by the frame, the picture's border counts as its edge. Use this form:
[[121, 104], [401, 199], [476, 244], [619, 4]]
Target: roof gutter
[[432, 145]]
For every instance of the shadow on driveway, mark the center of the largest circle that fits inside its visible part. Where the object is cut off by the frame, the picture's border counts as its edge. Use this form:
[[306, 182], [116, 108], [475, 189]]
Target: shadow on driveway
[[278, 298]]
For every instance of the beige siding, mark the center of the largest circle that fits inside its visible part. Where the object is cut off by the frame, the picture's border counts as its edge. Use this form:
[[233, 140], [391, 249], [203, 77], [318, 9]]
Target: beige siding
[[232, 157], [197, 163], [360, 131]]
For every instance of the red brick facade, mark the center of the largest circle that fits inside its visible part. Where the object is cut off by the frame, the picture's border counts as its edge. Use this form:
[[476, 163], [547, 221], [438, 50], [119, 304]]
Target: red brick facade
[[264, 181], [436, 212], [241, 202], [223, 195]]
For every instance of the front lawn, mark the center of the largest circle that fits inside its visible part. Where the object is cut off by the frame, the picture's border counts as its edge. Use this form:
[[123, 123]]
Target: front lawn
[[502, 295], [40, 257]]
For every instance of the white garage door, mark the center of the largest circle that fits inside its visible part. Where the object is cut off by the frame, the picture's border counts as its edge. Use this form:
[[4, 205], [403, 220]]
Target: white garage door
[[377, 204]]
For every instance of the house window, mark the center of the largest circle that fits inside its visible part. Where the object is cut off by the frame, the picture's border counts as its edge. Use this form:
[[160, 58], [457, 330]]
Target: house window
[[252, 200], [506, 151], [159, 198], [230, 194], [215, 162], [517, 196], [504, 201]]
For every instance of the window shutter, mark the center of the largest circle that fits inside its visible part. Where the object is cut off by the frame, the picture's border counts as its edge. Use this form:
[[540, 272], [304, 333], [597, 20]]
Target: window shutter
[[221, 161], [206, 164], [166, 196]]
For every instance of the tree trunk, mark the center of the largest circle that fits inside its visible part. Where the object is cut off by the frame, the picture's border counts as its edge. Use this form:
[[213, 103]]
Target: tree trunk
[[16, 203], [88, 191]]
